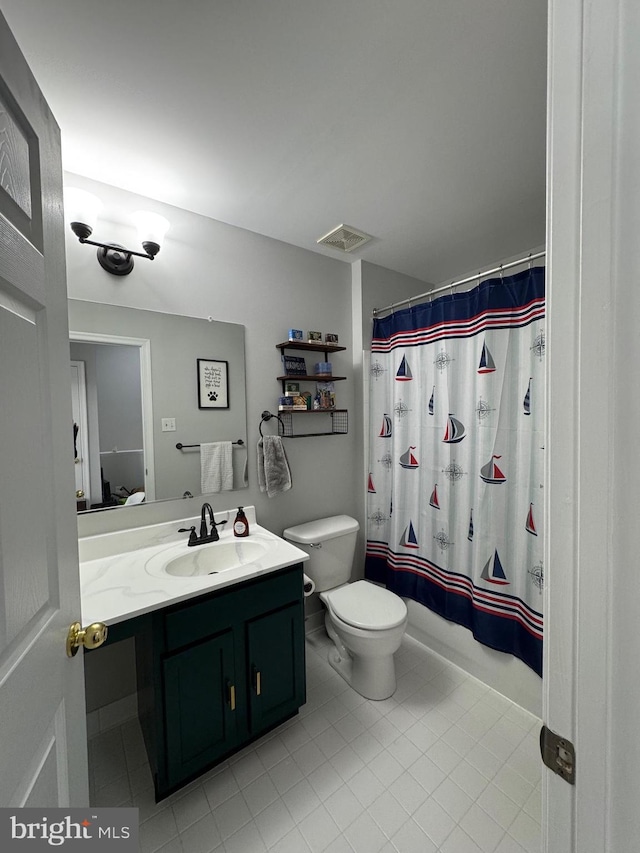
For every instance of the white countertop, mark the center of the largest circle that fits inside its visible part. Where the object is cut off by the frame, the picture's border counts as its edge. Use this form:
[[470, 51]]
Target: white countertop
[[116, 585]]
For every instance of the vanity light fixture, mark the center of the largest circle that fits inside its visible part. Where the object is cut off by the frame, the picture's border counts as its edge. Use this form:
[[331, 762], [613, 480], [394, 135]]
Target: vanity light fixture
[[82, 209]]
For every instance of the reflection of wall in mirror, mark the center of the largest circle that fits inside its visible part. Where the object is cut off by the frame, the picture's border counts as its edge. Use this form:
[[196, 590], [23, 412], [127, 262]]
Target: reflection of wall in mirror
[[115, 418], [176, 342], [120, 418]]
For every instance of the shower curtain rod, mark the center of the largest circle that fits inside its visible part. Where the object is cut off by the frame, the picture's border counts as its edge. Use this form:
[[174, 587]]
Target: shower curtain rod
[[430, 293]]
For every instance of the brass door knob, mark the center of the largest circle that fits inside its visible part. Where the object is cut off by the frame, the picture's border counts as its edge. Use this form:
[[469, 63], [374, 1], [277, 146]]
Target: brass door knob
[[91, 637]]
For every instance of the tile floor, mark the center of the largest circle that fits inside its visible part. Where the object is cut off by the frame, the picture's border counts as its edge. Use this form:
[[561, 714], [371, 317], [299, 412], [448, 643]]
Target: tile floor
[[445, 765]]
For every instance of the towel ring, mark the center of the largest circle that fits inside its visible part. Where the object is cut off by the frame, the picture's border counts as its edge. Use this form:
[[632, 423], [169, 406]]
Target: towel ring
[[266, 416]]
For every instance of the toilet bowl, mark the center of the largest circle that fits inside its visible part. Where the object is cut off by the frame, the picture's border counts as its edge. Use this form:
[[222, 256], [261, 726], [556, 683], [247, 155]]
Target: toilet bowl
[[365, 622]]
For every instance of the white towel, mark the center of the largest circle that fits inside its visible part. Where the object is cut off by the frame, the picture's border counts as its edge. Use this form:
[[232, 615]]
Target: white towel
[[274, 475], [216, 467]]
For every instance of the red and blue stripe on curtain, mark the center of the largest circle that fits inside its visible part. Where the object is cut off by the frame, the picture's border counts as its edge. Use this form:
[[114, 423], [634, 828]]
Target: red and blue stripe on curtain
[[457, 459]]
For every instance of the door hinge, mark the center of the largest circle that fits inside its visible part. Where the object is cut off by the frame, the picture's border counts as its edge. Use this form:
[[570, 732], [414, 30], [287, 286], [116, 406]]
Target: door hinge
[[558, 754]]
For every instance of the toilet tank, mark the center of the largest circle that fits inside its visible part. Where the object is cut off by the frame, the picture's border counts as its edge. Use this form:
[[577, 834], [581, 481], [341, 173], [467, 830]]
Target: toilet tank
[[331, 544]]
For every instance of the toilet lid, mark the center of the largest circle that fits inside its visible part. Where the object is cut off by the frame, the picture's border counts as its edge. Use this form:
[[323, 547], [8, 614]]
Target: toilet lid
[[365, 605]]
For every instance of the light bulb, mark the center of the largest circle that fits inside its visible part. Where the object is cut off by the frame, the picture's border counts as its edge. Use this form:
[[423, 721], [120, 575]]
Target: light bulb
[[151, 226], [81, 208]]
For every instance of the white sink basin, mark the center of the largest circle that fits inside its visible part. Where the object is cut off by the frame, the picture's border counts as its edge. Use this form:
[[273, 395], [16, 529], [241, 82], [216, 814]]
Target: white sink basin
[[202, 560], [213, 558]]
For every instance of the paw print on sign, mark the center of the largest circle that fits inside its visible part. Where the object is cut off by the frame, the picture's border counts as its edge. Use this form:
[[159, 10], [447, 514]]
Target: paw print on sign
[[212, 396]]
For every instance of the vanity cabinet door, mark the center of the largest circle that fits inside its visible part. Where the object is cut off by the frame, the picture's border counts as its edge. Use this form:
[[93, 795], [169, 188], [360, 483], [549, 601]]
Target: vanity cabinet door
[[275, 660], [199, 705]]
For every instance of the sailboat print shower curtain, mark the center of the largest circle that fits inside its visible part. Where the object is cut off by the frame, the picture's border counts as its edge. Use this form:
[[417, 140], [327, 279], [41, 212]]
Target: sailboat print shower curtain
[[455, 485]]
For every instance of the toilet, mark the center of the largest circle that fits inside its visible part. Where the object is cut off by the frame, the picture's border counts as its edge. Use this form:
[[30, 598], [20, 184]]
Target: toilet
[[366, 622]]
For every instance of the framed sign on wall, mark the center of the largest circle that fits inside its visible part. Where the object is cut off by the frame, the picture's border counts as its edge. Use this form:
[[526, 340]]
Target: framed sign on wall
[[213, 384]]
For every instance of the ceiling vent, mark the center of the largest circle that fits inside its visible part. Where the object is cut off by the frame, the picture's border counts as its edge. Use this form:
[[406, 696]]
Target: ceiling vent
[[344, 238]]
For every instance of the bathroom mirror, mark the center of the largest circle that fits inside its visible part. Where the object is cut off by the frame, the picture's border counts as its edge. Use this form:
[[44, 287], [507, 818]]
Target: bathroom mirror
[[136, 394]]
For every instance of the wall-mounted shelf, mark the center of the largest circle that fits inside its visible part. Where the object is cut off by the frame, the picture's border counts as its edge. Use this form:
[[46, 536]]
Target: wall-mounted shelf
[[319, 347], [310, 377], [339, 418], [339, 422]]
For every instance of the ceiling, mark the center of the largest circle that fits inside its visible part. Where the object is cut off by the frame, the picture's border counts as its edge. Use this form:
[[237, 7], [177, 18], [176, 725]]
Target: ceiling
[[420, 122]]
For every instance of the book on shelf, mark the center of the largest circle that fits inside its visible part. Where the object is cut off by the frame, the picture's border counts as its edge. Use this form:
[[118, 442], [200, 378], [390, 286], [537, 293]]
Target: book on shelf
[[294, 365]]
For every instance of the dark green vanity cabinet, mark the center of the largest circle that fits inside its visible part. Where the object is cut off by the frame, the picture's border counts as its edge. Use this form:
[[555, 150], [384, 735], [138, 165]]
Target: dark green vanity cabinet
[[218, 671]]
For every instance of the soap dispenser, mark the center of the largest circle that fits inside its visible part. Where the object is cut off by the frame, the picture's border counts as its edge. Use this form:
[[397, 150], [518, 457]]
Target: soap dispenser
[[241, 525]]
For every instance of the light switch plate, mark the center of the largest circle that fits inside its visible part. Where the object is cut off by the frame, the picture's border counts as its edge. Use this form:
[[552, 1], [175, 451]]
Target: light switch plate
[[168, 424]]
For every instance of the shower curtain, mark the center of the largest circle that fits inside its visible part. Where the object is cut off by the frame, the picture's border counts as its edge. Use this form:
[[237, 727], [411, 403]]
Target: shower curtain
[[455, 485]]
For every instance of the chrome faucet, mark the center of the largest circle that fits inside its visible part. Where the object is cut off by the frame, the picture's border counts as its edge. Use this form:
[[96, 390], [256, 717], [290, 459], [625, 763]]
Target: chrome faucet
[[207, 533]]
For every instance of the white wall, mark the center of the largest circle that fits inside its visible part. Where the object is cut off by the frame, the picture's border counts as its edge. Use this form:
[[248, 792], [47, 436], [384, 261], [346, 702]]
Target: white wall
[[114, 407], [120, 416], [119, 397]]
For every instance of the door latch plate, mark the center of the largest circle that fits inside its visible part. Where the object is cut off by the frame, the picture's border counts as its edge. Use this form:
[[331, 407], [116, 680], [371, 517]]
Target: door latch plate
[[558, 754]]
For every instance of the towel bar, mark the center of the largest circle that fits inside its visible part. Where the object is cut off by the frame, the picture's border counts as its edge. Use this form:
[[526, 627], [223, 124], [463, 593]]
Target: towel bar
[[181, 446]]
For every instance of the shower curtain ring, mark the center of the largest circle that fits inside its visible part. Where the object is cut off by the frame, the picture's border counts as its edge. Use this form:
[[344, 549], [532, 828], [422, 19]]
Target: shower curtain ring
[[501, 272]]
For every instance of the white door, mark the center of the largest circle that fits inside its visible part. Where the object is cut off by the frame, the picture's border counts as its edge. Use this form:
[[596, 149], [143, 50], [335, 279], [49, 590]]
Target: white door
[[80, 431], [43, 754], [592, 635]]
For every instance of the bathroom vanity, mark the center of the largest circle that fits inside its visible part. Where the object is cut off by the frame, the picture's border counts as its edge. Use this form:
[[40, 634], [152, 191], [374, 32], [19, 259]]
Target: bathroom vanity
[[219, 657]]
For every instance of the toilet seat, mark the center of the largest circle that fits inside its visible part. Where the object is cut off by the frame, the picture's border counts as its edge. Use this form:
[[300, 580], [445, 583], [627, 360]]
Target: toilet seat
[[365, 605]]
